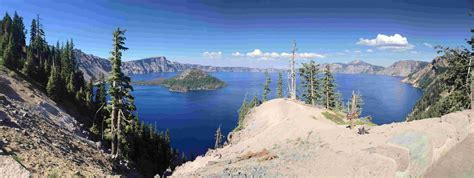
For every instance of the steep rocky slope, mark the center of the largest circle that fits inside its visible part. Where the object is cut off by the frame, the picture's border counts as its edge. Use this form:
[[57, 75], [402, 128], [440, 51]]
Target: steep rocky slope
[[403, 68], [41, 136], [424, 76], [285, 138], [399, 68]]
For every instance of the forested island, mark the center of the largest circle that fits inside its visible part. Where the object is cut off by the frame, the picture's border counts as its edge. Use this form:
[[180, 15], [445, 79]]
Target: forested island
[[188, 80]]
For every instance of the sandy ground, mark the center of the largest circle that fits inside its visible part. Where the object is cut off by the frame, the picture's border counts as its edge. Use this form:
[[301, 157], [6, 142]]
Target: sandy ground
[[458, 162], [287, 138]]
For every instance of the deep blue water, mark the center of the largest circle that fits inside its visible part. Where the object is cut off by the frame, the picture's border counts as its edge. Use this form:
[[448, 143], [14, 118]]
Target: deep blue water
[[193, 117]]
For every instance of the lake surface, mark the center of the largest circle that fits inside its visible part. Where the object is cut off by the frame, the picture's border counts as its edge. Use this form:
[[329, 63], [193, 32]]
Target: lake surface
[[193, 117]]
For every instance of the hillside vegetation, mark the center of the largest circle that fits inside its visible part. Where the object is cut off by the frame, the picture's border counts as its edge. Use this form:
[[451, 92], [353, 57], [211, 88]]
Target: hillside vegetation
[[446, 85], [192, 79]]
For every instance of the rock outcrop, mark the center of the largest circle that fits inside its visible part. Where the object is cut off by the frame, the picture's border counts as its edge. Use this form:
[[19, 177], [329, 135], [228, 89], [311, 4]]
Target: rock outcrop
[[399, 68], [285, 138], [41, 136]]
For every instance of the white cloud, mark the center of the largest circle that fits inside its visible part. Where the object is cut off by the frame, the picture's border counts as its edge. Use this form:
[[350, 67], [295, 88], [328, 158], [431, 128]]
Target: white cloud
[[212, 55], [428, 45], [414, 52], [347, 51], [370, 50], [357, 51], [257, 53], [237, 54], [383, 42]]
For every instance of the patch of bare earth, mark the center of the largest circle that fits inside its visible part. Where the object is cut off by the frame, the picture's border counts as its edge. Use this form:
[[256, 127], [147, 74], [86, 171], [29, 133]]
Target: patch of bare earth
[[286, 138]]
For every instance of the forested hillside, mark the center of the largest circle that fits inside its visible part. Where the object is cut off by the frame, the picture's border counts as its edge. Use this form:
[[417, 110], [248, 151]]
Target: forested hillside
[[446, 84], [53, 70]]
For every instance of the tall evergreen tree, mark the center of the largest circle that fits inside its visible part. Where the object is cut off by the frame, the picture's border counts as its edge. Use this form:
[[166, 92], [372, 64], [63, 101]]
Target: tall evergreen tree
[[121, 106], [53, 85], [328, 89], [280, 85], [266, 87], [243, 111], [309, 80]]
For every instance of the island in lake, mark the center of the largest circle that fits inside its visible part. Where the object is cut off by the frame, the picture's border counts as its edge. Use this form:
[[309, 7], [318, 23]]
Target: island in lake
[[188, 80]]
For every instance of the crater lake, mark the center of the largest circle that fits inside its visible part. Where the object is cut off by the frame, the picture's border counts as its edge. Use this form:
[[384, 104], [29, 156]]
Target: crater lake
[[193, 117]]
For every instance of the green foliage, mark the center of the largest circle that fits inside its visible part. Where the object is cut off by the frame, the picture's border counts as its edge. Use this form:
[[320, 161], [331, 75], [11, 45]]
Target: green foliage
[[328, 89], [53, 86], [449, 89], [266, 87], [334, 117], [309, 82], [280, 86], [193, 79], [243, 111]]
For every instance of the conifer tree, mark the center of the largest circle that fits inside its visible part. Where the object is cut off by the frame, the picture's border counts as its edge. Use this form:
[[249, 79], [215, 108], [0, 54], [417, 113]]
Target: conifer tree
[[255, 101], [121, 106], [328, 89], [266, 87], [280, 85], [309, 79], [53, 85], [243, 111]]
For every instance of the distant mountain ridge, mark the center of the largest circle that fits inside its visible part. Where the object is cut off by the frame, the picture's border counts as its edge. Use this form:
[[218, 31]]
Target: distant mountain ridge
[[399, 68], [92, 66]]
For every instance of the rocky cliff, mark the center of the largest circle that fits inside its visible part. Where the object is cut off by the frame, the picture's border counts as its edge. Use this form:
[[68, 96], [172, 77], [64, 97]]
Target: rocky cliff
[[399, 68], [403, 68], [92, 66], [41, 137]]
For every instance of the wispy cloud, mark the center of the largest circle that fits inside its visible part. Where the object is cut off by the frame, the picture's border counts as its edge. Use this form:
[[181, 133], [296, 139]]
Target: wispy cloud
[[259, 54], [212, 55], [395, 42], [370, 50], [428, 45]]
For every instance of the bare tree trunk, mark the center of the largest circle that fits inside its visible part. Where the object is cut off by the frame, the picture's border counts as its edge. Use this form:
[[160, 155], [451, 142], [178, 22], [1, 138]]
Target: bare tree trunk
[[353, 110], [119, 120], [112, 126], [327, 96], [292, 74], [312, 86]]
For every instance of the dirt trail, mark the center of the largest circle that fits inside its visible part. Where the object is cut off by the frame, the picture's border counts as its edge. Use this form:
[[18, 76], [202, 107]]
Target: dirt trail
[[287, 138]]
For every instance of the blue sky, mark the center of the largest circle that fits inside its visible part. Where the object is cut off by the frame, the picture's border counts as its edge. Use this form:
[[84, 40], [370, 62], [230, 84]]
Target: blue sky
[[211, 32]]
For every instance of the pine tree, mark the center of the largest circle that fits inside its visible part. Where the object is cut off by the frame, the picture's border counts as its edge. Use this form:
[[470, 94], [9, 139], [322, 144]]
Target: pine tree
[[53, 85], [280, 85], [218, 138], [266, 87], [19, 36], [255, 101], [309, 79], [243, 111], [328, 89], [122, 106]]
